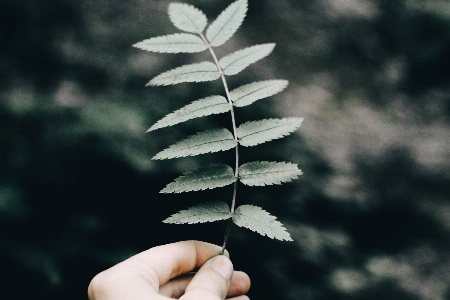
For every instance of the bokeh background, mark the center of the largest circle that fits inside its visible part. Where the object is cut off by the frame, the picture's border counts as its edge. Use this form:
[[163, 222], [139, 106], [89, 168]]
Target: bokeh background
[[370, 217]]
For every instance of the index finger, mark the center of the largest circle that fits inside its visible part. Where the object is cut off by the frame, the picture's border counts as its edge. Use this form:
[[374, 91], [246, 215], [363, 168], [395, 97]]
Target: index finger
[[160, 264]]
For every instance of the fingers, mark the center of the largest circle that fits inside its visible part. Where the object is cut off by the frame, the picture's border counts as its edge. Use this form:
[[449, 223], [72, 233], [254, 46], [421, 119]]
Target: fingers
[[145, 272], [162, 263], [212, 280], [148, 274], [240, 284], [175, 288]]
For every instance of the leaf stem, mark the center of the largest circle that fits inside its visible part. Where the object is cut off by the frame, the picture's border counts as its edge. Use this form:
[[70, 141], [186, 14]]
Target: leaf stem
[[233, 121]]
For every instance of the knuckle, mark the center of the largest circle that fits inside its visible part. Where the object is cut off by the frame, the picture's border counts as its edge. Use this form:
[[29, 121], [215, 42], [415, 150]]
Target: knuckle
[[211, 286]]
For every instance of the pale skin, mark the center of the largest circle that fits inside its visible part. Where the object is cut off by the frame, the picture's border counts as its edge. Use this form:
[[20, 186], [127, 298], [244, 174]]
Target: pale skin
[[188, 270]]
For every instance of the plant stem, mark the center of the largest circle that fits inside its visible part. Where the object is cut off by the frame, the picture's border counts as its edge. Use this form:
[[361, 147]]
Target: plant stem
[[233, 121]]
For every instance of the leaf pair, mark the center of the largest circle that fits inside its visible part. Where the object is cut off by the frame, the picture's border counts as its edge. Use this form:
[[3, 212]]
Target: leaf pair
[[241, 96], [230, 64], [248, 216], [218, 175], [249, 134]]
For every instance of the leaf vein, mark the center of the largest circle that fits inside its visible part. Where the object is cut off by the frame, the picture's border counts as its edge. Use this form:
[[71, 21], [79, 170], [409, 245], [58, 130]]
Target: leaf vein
[[256, 132], [255, 91]]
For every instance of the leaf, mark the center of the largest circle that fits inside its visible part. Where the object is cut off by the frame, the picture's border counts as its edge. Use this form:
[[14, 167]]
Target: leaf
[[205, 212], [267, 173], [199, 108], [200, 143], [257, 132], [210, 177], [258, 220], [173, 43], [227, 23], [187, 17], [204, 71], [237, 61], [249, 93]]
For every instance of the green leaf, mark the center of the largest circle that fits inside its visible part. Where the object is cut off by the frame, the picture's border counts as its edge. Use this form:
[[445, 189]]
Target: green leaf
[[241, 59], [199, 108], [227, 23], [260, 221], [249, 93], [187, 17], [173, 43], [257, 132], [204, 71], [200, 143], [205, 212], [210, 177], [267, 173]]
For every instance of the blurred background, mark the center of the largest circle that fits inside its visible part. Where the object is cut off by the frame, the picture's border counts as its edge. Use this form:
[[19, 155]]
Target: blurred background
[[370, 216]]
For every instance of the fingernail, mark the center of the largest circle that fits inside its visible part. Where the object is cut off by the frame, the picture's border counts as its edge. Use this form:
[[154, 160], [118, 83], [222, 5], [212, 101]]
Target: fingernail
[[222, 265]]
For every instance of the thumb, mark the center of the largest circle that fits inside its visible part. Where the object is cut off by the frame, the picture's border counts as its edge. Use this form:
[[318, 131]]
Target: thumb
[[212, 280]]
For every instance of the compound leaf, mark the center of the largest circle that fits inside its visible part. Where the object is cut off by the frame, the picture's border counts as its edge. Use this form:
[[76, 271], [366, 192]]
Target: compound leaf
[[173, 43], [204, 71], [237, 61], [199, 108], [227, 23], [200, 143], [216, 175], [201, 213], [187, 17], [257, 132], [267, 173], [260, 221], [249, 93]]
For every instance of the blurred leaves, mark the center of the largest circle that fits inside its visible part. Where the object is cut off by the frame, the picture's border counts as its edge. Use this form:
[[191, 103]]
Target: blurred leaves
[[370, 78]]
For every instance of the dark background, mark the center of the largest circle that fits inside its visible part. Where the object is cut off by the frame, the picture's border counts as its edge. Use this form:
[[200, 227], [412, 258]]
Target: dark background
[[370, 217]]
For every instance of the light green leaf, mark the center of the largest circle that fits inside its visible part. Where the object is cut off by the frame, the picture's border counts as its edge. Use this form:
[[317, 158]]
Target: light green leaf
[[187, 17], [249, 93], [210, 177], [205, 212], [257, 132], [237, 61], [204, 71], [199, 108], [200, 143], [258, 220], [267, 173], [173, 43], [227, 23]]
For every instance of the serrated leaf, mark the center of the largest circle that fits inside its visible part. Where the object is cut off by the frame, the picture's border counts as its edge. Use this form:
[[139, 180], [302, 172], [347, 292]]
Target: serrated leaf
[[227, 23], [200, 143], [249, 93], [237, 61], [199, 108], [210, 177], [201, 213], [257, 132], [258, 220], [204, 71], [173, 43], [267, 173], [187, 17]]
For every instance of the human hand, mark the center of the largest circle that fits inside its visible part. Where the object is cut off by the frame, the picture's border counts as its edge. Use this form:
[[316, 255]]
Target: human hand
[[164, 272]]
